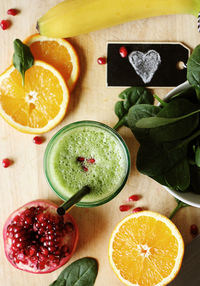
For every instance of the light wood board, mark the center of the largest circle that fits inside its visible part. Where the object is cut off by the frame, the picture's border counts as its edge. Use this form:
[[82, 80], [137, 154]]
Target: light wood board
[[25, 181]]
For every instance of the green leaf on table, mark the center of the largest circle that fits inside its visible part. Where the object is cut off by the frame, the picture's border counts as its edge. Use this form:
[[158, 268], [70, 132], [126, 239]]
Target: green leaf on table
[[82, 272], [22, 58], [130, 97], [193, 68]]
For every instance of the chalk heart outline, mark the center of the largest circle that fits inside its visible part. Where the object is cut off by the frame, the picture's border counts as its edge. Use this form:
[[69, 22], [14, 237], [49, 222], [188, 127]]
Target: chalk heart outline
[[145, 64]]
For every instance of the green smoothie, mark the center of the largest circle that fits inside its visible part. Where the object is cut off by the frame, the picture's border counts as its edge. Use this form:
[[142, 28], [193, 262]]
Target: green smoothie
[[87, 154]]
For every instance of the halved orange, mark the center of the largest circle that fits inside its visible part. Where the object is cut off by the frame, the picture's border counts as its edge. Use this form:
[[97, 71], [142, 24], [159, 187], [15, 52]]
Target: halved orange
[[146, 249], [40, 104], [57, 52]]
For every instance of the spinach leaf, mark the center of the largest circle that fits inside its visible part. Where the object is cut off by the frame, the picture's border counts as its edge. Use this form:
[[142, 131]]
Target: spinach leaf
[[82, 272], [154, 122], [180, 205], [197, 156], [22, 58], [193, 68], [188, 93], [131, 96], [137, 112], [195, 178]]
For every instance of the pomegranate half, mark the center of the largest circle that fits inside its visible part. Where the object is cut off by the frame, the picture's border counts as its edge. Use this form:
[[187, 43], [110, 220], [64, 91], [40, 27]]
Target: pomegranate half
[[37, 239]]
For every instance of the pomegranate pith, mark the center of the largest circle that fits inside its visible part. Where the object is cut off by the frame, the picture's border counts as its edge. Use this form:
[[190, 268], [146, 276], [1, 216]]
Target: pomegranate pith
[[37, 240]]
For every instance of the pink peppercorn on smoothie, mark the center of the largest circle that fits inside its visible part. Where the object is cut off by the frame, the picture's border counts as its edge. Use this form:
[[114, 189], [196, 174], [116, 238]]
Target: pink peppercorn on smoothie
[[87, 153]]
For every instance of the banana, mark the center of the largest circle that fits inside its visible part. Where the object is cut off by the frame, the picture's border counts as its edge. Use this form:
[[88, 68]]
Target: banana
[[74, 17]]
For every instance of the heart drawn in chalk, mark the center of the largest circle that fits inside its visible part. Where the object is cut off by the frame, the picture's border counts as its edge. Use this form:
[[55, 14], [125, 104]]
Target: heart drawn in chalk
[[145, 64]]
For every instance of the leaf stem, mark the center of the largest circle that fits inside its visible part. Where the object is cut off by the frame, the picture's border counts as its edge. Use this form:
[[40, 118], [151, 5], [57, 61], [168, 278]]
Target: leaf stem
[[119, 124], [162, 102], [180, 205]]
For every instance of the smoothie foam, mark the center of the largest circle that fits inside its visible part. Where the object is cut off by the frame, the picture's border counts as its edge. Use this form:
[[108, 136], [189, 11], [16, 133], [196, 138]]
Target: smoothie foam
[[104, 176]]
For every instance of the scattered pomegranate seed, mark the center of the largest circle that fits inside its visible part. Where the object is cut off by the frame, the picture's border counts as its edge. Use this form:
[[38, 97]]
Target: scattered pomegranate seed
[[123, 52], [12, 12], [85, 169], [6, 163], [101, 61], [124, 208], [194, 229], [137, 210], [5, 24], [80, 159], [91, 161], [38, 140], [134, 198]]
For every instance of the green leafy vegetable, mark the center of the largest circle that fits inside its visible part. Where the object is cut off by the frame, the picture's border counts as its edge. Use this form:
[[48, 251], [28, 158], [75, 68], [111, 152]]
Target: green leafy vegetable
[[193, 68], [82, 272], [180, 205], [197, 156], [22, 58], [131, 96], [137, 112]]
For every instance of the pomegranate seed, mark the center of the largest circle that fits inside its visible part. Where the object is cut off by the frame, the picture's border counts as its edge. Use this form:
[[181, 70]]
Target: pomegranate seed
[[38, 140], [16, 219], [32, 250], [12, 12], [134, 198], [123, 52], [51, 257], [41, 265], [5, 24], [137, 210], [85, 169], [91, 161], [194, 229], [51, 249], [50, 243], [124, 208], [41, 218], [6, 163], [80, 159], [56, 261], [101, 61], [50, 237], [44, 251]]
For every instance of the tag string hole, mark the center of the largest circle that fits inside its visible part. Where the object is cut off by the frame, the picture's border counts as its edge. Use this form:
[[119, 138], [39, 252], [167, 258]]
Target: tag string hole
[[181, 65]]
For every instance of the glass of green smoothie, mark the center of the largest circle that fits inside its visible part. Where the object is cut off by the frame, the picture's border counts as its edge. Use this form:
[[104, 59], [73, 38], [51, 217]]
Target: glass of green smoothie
[[87, 153]]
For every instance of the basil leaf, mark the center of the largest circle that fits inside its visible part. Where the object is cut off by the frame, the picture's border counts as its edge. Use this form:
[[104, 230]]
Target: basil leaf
[[82, 272], [193, 67], [22, 58], [131, 96]]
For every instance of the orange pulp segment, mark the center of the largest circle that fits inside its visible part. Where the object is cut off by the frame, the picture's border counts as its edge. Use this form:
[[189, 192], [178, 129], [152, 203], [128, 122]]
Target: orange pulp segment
[[40, 104], [146, 249], [57, 52]]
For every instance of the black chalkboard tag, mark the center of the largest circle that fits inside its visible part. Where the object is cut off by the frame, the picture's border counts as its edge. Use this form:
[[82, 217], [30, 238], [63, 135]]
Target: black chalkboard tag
[[158, 64]]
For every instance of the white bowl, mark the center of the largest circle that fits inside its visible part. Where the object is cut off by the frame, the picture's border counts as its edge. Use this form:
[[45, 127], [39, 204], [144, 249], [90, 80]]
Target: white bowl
[[189, 198]]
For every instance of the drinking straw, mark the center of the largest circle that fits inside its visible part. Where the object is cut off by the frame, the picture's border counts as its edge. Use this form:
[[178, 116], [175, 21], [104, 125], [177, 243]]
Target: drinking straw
[[73, 200]]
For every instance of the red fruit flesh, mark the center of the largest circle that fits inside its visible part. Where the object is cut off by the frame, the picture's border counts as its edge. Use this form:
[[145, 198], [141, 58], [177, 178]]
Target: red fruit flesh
[[37, 240]]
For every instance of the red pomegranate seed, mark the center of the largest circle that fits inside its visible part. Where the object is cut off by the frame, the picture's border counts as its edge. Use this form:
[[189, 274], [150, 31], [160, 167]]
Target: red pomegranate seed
[[51, 249], [80, 159], [91, 161], [51, 257], [6, 162], [44, 251], [101, 61], [5, 24], [32, 250], [194, 229], [123, 52], [85, 169], [137, 210], [124, 208], [134, 198], [12, 12], [38, 140]]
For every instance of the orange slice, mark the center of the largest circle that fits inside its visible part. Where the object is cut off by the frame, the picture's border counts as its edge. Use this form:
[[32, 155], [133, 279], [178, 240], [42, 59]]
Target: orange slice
[[57, 52], [40, 104], [146, 249]]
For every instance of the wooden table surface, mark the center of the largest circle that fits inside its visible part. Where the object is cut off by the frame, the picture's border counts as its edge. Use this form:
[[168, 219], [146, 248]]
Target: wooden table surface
[[25, 181]]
